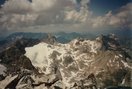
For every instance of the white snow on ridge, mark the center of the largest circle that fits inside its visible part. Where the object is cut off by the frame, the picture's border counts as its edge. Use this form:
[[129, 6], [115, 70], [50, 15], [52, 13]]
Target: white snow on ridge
[[40, 56], [6, 81], [126, 64], [92, 45]]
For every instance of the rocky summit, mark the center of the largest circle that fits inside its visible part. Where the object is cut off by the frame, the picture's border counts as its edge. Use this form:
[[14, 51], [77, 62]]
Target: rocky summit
[[80, 64]]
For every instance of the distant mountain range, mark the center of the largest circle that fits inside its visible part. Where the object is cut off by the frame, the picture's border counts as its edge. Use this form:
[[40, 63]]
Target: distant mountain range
[[61, 36]]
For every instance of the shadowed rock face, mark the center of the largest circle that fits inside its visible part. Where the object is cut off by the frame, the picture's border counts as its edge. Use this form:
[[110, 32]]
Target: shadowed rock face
[[13, 56], [79, 64]]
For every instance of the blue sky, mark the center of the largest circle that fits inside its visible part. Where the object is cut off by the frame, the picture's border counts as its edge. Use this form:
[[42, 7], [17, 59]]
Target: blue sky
[[2, 1], [103, 6]]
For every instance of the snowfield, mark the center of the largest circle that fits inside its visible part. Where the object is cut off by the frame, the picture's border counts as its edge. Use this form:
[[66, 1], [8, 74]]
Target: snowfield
[[74, 60]]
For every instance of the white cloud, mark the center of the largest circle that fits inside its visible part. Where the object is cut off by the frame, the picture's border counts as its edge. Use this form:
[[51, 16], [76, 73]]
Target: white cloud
[[58, 14], [42, 5], [21, 13], [85, 2], [82, 16], [16, 7], [122, 18]]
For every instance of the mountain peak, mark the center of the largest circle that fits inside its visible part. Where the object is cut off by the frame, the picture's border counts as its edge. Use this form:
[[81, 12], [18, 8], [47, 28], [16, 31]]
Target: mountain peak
[[78, 59], [79, 63]]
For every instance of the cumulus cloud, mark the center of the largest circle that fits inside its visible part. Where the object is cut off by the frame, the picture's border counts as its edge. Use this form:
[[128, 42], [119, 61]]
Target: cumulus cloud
[[119, 19], [122, 18], [58, 14], [82, 16], [19, 13], [16, 7]]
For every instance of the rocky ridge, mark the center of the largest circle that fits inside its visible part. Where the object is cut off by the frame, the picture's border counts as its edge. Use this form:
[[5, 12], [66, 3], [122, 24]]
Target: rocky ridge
[[79, 64]]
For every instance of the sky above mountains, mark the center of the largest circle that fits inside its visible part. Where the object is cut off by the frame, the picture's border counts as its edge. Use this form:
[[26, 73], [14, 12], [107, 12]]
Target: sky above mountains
[[64, 15], [101, 7]]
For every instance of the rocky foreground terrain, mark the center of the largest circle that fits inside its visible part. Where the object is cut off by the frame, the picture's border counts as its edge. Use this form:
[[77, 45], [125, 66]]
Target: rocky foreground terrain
[[79, 64]]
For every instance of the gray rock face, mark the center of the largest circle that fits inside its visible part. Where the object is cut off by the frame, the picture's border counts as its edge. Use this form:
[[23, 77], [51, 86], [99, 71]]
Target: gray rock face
[[80, 64], [82, 61]]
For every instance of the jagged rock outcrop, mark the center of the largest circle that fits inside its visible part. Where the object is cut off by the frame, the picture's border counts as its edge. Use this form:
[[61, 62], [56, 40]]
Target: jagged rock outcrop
[[13, 57], [51, 39], [79, 59], [79, 64]]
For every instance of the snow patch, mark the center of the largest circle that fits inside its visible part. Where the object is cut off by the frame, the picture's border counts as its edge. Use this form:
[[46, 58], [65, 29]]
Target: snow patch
[[126, 64], [39, 56], [72, 59], [6, 81], [2, 69]]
